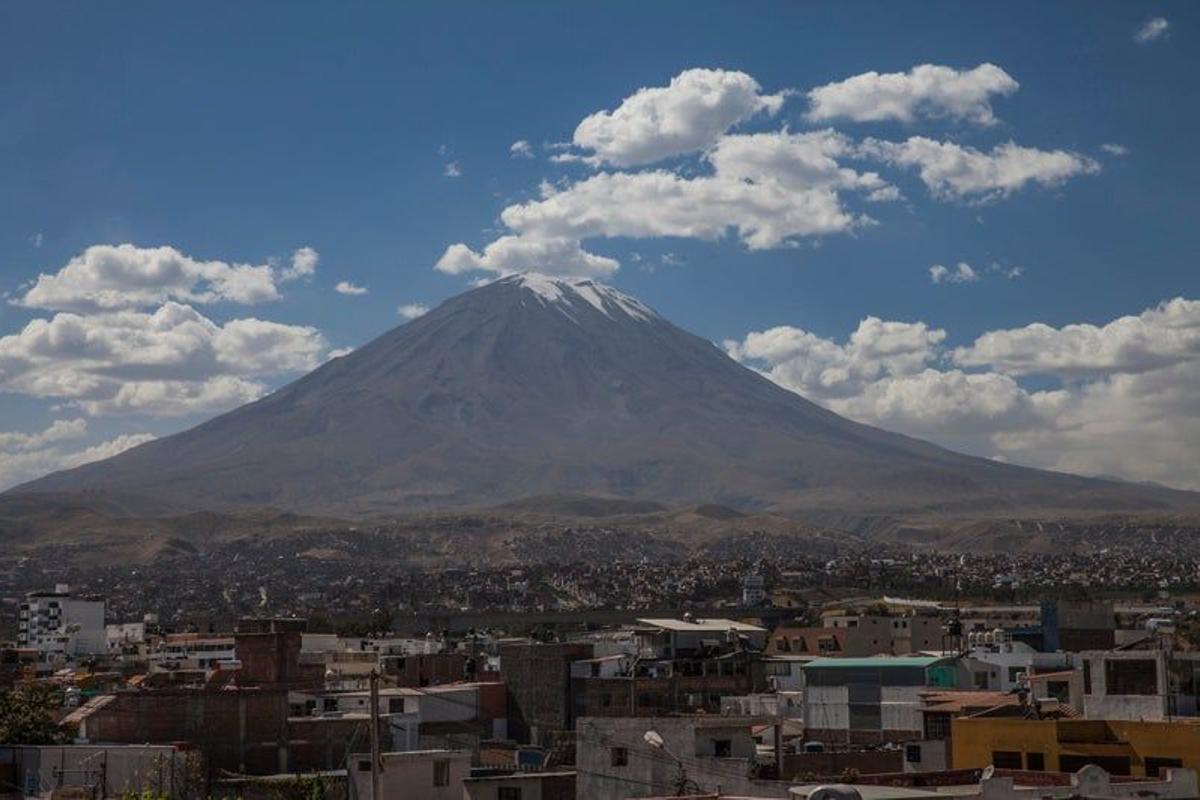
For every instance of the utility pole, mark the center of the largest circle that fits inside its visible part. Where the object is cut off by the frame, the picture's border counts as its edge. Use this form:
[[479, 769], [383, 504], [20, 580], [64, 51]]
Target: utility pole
[[375, 758]]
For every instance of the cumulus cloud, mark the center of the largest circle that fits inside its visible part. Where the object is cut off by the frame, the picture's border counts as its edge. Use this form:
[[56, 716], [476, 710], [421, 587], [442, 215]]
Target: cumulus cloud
[[688, 115], [112, 277], [413, 310], [767, 188], [927, 90], [346, 287], [962, 273], [24, 456], [452, 170], [954, 172], [520, 149], [168, 362], [1165, 335], [303, 265], [1115, 149], [59, 430], [1126, 403], [1153, 30]]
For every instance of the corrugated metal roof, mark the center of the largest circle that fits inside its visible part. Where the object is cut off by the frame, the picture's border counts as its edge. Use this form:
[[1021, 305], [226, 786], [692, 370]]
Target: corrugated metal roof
[[876, 662]]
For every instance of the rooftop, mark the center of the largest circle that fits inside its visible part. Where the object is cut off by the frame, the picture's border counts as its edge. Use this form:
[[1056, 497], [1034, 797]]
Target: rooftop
[[715, 625], [874, 662]]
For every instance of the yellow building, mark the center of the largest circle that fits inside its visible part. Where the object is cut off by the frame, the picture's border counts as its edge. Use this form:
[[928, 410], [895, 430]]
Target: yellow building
[[1121, 747]]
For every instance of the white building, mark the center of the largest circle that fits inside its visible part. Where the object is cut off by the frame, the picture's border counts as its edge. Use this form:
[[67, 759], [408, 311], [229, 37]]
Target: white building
[[59, 625], [996, 663], [193, 651]]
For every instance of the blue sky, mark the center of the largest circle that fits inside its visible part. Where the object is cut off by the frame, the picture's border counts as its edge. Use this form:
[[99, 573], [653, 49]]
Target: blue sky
[[379, 134]]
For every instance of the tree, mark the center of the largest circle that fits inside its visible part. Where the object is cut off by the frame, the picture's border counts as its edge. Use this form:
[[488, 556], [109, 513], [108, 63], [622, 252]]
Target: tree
[[29, 715]]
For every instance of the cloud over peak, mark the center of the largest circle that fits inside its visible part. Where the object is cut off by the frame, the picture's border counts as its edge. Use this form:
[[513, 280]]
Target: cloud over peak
[[686, 116]]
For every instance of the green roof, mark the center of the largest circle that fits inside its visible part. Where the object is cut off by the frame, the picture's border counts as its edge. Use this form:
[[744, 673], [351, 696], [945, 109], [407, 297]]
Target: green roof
[[876, 662]]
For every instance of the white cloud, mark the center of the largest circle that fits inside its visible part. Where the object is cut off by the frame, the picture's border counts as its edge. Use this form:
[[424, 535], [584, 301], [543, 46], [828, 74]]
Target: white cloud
[[1165, 335], [112, 277], [1127, 403], [962, 273], [346, 287], [413, 310], [1153, 30], [169, 362], [769, 189], [59, 430], [954, 172], [927, 90], [24, 456], [1115, 149], [452, 170], [37, 239], [520, 149], [304, 265], [689, 115]]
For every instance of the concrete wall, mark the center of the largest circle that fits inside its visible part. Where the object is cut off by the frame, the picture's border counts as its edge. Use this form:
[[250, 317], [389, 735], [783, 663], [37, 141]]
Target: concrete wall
[[827, 707], [546, 786], [650, 771], [111, 770], [411, 775], [238, 730]]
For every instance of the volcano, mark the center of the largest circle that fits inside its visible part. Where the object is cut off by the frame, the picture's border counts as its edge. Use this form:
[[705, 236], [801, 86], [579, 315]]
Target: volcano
[[533, 386]]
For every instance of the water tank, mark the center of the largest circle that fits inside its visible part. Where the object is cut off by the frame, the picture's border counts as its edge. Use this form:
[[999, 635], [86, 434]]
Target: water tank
[[835, 791]]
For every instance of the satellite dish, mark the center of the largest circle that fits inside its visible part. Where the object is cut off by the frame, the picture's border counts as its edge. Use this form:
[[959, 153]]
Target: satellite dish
[[988, 772], [653, 739]]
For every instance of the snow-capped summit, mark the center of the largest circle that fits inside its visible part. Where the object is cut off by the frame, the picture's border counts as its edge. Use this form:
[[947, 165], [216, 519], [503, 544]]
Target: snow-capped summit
[[563, 293]]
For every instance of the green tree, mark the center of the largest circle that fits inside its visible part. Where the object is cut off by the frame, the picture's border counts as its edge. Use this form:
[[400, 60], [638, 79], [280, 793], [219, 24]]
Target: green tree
[[29, 715]]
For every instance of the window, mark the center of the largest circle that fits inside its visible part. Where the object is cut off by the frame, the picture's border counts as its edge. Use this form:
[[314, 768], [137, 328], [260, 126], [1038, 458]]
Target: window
[[937, 726], [441, 773], [1014, 674], [364, 765], [1131, 676], [981, 680], [912, 753], [1154, 765], [595, 669], [1006, 759], [723, 748], [329, 704], [1087, 676], [395, 705], [1035, 762], [618, 757], [508, 793]]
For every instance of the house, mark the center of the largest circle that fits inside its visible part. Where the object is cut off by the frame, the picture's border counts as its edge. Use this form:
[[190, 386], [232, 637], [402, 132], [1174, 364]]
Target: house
[[522, 786], [413, 775], [998, 663], [58, 625], [620, 758], [870, 700], [1121, 747], [679, 666], [1145, 683]]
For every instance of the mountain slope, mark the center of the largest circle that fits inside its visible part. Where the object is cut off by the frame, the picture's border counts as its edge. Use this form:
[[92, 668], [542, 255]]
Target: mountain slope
[[533, 386]]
